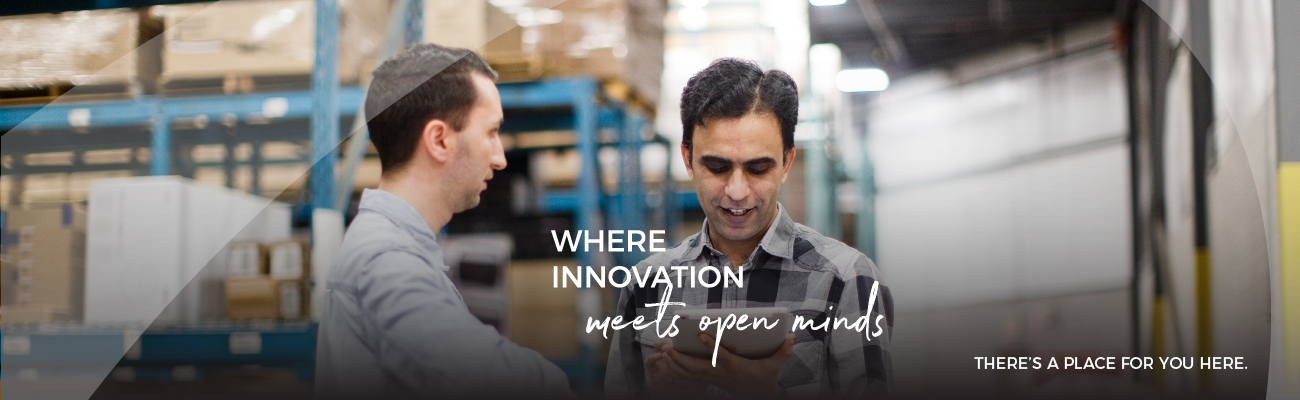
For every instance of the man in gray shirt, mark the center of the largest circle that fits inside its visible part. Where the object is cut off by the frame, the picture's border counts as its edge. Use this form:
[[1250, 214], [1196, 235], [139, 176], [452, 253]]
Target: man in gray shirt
[[393, 324]]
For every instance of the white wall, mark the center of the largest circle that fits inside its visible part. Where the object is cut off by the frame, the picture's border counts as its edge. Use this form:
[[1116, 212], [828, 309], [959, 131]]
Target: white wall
[[1009, 186], [1004, 214]]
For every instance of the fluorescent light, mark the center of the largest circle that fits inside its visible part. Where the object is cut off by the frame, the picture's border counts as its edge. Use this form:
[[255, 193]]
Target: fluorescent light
[[861, 80], [822, 3], [693, 19]]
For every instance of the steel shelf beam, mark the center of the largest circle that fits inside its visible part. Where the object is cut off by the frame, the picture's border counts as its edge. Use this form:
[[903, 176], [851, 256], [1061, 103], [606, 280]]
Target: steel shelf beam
[[567, 200], [62, 348], [255, 107]]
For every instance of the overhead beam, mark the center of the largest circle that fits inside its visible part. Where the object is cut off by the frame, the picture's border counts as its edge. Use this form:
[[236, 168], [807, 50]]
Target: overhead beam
[[893, 47]]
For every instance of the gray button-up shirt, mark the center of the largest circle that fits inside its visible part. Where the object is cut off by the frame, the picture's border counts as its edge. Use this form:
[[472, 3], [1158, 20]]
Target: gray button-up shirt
[[394, 325]]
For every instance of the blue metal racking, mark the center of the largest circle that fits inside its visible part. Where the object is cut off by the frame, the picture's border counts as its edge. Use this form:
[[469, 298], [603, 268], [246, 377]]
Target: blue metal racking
[[578, 104], [91, 348], [572, 103]]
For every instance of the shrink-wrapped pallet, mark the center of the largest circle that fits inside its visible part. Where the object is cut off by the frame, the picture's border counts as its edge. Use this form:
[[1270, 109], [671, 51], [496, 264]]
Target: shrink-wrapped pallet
[[82, 47]]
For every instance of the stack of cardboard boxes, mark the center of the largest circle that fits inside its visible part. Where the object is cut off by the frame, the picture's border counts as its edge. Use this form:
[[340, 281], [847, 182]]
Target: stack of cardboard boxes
[[235, 43], [243, 39], [44, 272], [479, 25], [153, 249], [267, 281], [82, 47], [228, 41], [613, 40], [8, 276], [616, 41]]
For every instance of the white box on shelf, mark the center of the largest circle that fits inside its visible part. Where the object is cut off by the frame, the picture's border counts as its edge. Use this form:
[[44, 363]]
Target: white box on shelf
[[286, 261], [157, 247], [244, 260]]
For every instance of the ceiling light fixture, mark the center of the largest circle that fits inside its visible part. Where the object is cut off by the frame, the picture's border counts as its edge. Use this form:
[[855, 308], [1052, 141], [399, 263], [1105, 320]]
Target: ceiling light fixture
[[861, 80]]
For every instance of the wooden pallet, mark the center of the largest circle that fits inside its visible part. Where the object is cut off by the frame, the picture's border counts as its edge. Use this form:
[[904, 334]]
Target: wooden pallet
[[622, 92], [232, 84], [10, 96], [516, 66]]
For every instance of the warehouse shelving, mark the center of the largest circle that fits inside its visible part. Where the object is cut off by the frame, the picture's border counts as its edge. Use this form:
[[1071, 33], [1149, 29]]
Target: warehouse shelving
[[573, 103], [200, 346], [321, 117]]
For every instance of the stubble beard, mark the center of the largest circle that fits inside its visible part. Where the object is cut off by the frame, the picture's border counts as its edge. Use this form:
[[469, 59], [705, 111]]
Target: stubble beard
[[755, 230], [467, 182]]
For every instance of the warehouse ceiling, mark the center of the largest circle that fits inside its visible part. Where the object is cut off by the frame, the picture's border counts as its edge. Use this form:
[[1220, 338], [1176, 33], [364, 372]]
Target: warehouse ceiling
[[19, 7], [902, 36]]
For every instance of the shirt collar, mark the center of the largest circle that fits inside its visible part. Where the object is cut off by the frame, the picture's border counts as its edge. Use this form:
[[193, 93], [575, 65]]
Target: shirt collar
[[777, 241], [405, 216]]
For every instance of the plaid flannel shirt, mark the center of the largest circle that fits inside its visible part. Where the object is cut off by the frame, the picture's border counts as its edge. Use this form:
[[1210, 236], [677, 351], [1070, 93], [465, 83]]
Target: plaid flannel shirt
[[795, 267]]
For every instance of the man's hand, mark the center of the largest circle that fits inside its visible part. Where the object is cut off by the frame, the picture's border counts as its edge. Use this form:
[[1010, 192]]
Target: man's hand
[[662, 378], [735, 374], [657, 364]]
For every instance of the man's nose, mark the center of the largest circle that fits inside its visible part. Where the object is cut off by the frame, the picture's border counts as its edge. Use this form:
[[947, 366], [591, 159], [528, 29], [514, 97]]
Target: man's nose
[[737, 188], [498, 155]]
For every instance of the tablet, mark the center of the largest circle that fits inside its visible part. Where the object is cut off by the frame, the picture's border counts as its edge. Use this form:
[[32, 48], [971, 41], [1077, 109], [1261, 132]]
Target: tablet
[[755, 341]]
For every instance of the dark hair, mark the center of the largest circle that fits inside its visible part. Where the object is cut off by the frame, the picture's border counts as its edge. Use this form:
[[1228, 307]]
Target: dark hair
[[423, 82], [732, 88]]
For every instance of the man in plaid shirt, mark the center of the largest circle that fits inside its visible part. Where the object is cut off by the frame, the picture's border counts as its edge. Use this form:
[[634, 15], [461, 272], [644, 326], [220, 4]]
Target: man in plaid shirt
[[738, 142]]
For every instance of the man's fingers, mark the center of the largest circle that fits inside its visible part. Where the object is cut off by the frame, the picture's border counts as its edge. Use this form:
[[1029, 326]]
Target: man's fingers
[[708, 343], [659, 343], [665, 370], [690, 364], [725, 353], [654, 358], [707, 339], [677, 369]]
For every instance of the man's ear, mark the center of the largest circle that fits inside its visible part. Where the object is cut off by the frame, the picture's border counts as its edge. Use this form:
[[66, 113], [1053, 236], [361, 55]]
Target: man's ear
[[789, 160], [437, 140], [686, 158]]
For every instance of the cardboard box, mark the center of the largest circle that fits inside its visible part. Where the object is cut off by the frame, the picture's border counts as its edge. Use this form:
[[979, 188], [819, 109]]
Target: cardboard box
[[82, 47], [8, 278], [33, 314], [530, 287], [246, 260], [288, 260], [260, 38], [555, 335], [49, 264], [542, 317], [252, 298], [470, 24], [487, 29], [610, 40], [157, 246], [262, 297]]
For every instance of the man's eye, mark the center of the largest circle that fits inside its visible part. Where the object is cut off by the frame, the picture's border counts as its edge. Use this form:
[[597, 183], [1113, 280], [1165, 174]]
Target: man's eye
[[717, 169], [759, 170]]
